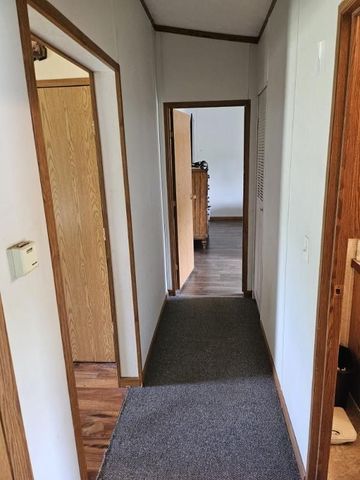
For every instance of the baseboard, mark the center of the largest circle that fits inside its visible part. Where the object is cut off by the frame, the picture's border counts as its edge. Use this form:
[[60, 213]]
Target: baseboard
[[226, 219], [153, 339], [129, 382], [285, 411]]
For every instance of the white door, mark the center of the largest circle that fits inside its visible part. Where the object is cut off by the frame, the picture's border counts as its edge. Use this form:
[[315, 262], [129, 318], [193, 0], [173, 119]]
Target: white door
[[261, 126]]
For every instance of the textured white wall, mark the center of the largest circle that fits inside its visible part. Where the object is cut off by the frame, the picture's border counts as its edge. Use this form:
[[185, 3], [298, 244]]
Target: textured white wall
[[298, 118], [218, 138], [201, 69]]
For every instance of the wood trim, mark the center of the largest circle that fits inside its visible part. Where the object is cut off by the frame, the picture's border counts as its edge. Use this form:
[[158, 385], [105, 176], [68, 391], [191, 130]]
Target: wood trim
[[171, 193], [25, 35], [63, 82], [46, 9], [60, 21], [170, 177], [248, 294], [147, 11], [226, 219], [205, 34], [328, 324], [284, 408], [272, 6], [151, 348], [246, 188], [130, 382], [50, 46], [10, 412], [105, 225], [129, 218], [355, 264]]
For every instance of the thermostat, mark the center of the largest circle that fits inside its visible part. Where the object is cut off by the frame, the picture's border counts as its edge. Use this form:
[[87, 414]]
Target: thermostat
[[22, 258]]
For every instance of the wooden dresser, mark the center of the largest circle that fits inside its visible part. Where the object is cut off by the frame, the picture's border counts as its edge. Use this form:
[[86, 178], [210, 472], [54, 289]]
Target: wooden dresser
[[200, 185]]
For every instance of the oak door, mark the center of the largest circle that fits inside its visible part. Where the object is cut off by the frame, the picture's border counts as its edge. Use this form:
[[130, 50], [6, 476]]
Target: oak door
[[184, 198], [69, 133]]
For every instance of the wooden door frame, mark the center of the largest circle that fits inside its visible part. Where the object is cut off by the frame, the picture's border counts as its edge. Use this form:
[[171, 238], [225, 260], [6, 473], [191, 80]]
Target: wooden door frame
[[47, 10], [90, 82], [171, 187], [329, 299], [10, 412]]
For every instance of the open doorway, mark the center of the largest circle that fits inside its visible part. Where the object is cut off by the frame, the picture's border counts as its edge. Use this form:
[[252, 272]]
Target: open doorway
[[86, 202], [70, 128], [207, 177], [335, 424]]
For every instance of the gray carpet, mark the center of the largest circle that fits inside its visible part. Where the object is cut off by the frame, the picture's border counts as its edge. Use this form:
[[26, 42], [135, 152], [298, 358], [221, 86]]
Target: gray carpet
[[209, 410]]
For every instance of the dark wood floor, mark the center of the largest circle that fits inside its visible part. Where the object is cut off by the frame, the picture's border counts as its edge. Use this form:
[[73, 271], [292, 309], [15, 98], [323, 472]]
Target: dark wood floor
[[100, 401], [218, 268]]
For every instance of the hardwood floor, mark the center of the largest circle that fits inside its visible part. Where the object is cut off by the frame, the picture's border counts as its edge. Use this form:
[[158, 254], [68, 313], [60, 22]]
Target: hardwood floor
[[100, 401], [218, 268], [344, 461]]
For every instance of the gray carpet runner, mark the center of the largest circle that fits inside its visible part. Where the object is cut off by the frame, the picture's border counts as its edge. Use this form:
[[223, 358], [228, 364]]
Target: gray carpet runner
[[209, 410]]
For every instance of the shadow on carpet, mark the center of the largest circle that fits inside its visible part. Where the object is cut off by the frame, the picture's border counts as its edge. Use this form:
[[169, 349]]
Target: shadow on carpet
[[209, 410]]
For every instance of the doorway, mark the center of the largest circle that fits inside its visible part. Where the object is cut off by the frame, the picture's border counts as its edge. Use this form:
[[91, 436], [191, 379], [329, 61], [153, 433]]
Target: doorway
[[207, 151], [70, 128], [338, 304], [94, 409]]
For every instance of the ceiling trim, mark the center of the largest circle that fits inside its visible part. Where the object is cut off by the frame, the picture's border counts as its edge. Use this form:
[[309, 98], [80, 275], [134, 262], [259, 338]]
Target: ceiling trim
[[272, 6], [205, 34], [147, 11]]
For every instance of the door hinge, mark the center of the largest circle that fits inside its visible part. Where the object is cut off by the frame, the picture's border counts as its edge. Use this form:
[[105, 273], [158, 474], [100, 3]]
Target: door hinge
[[176, 267], [104, 234]]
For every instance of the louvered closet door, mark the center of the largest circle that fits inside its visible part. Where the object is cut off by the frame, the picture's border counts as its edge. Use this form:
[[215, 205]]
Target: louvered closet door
[[261, 127]]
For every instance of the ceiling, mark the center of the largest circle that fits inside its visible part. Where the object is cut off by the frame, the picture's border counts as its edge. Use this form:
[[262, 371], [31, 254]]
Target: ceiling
[[237, 17]]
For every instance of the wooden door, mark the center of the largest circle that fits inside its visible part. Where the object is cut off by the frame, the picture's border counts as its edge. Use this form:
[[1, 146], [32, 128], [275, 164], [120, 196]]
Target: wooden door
[[183, 185], [69, 132], [260, 172]]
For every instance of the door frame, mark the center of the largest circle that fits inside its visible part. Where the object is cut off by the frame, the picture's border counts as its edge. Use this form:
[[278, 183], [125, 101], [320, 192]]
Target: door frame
[[10, 412], [48, 11], [330, 297], [171, 186], [89, 82]]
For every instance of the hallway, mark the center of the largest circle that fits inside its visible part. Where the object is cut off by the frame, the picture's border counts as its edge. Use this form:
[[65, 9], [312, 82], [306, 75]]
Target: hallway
[[209, 409], [218, 268]]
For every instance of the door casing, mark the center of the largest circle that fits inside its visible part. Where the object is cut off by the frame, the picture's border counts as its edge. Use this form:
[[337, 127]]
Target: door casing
[[330, 293], [58, 20], [169, 107]]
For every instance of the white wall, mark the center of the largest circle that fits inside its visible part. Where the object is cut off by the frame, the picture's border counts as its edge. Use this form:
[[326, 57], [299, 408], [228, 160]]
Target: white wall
[[298, 117], [55, 66], [124, 32], [201, 69], [218, 138]]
